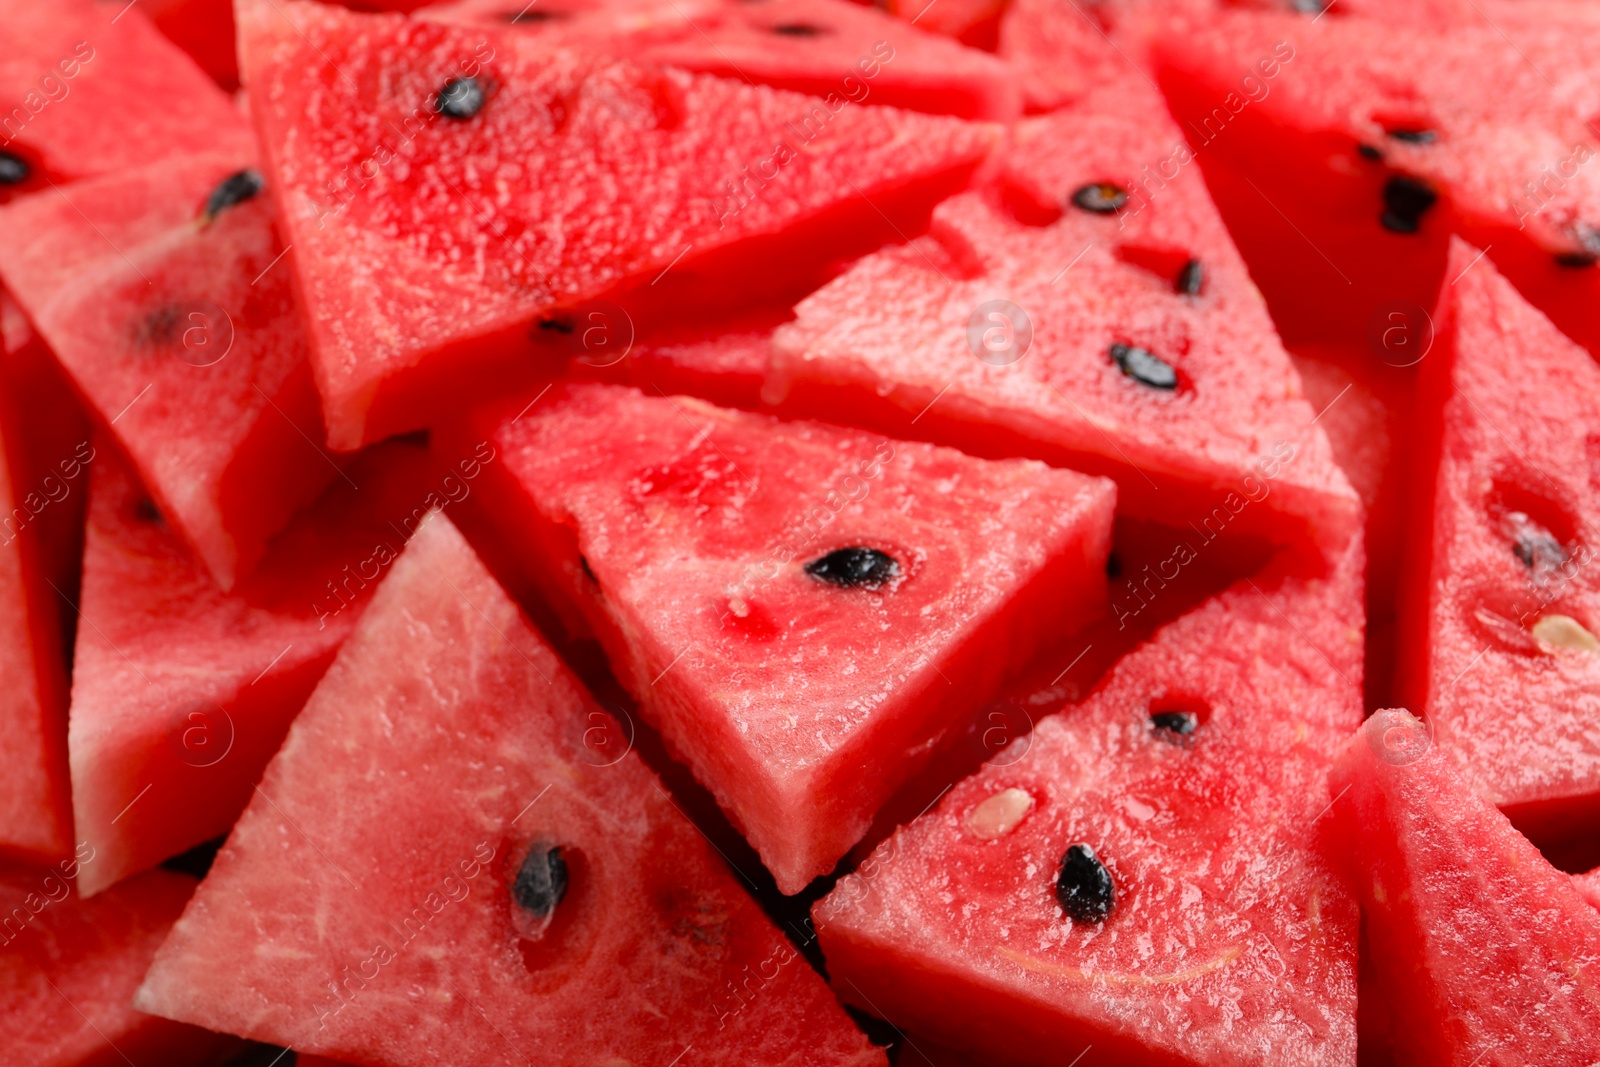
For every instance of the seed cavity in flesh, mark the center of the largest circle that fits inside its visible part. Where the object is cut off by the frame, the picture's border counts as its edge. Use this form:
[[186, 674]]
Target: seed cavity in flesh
[[1083, 888], [541, 881], [1563, 631], [1143, 366], [1587, 252], [14, 170], [1405, 201], [461, 98], [145, 510], [1191, 276], [798, 29], [998, 815], [856, 567], [1174, 725], [1535, 547], [1414, 135], [1366, 151], [232, 190], [1101, 198], [532, 15]]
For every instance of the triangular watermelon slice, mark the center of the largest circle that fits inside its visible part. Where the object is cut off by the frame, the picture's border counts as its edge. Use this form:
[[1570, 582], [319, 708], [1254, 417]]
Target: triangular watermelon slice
[[181, 692], [1092, 316], [69, 967], [493, 879], [1485, 953], [161, 292], [855, 54], [1143, 877], [1502, 602], [92, 88], [464, 192], [802, 609], [1344, 151]]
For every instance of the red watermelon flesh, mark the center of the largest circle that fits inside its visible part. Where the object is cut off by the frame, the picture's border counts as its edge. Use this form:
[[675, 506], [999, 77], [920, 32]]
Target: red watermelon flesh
[[1489, 954], [800, 703], [181, 692], [445, 747], [1228, 940], [204, 29], [724, 362], [1061, 52], [1502, 602], [889, 344], [1491, 119], [478, 242], [181, 330], [856, 54], [69, 967], [972, 22], [1588, 884], [92, 88]]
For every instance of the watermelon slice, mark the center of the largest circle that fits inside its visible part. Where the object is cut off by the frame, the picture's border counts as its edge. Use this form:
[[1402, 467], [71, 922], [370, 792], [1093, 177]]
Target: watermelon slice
[[92, 88], [1098, 318], [181, 692], [1343, 172], [1501, 600], [492, 884], [68, 968], [548, 179], [734, 566], [1143, 877], [1491, 954], [161, 293], [821, 47]]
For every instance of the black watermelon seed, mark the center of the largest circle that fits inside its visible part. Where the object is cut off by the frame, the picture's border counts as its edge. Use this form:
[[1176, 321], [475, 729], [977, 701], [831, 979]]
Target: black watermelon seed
[[1144, 367], [1174, 724], [1101, 198], [1414, 135], [1366, 151], [798, 29], [461, 98], [1309, 7], [1083, 888], [1113, 565], [588, 571], [146, 511], [854, 567], [14, 170], [557, 324], [234, 189], [531, 14], [1537, 548], [1190, 278], [542, 881], [1404, 202]]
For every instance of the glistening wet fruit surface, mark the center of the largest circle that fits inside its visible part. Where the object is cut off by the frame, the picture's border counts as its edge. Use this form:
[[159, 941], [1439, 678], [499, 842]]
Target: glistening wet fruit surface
[[416, 809], [802, 609], [1162, 903]]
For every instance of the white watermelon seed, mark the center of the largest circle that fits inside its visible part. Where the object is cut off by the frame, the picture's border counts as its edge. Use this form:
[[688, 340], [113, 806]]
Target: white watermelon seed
[[999, 815], [1563, 631]]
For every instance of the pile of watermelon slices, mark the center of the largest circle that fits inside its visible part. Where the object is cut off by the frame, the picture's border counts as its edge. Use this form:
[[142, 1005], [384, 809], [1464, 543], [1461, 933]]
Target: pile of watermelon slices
[[797, 532]]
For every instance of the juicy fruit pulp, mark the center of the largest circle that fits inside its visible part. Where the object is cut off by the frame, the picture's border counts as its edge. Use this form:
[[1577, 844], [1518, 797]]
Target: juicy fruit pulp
[[1491, 952], [801, 608], [161, 292], [88, 90], [68, 968], [1048, 320], [679, 185], [1501, 600], [819, 47], [1122, 881], [444, 745], [181, 692]]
